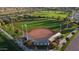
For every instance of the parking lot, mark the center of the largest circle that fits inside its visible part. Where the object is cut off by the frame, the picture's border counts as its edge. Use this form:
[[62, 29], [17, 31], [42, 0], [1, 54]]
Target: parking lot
[[74, 45]]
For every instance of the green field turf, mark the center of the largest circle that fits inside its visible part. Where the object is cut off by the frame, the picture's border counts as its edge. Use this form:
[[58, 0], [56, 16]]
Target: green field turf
[[27, 26], [42, 23], [54, 14]]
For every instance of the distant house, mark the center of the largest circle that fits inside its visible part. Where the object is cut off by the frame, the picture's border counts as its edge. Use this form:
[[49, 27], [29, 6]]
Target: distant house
[[76, 16], [6, 19]]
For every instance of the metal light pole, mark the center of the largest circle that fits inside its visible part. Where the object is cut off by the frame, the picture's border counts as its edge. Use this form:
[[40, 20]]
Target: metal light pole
[[12, 21], [60, 27], [67, 25], [25, 25], [27, 31]]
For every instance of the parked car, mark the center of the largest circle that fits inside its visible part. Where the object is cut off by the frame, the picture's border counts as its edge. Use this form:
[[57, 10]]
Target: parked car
[[68, 37], [73, 32], [78, 28]]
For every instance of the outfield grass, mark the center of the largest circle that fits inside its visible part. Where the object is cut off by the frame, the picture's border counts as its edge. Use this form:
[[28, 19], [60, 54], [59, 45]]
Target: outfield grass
[[44, 24], [50, 24]]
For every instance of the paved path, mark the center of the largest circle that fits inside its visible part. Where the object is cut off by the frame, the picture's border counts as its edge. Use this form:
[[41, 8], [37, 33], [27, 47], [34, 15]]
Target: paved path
[[8, 35], [74, 46]]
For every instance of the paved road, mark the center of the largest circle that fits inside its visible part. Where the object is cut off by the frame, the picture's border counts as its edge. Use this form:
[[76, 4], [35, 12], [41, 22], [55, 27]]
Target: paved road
[[74, 46]]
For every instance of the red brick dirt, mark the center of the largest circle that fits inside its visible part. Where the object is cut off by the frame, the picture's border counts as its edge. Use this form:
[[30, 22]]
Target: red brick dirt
[[41, 33]]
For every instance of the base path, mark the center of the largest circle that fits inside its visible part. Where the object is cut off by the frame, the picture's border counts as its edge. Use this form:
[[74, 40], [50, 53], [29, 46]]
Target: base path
[[74, 46]]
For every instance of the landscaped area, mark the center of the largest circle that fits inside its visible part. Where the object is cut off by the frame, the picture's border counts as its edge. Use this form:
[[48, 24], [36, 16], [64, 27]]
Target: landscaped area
[[53, 14], [20, 26], [51, 23]]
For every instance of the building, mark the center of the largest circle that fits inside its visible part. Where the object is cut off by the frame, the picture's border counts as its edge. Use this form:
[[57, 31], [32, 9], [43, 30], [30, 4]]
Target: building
[[41, 44], [53, 37]]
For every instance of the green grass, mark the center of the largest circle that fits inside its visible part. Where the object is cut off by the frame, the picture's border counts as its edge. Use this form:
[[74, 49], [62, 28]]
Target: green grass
[[51, 24], [54, 14], [8, 44]]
